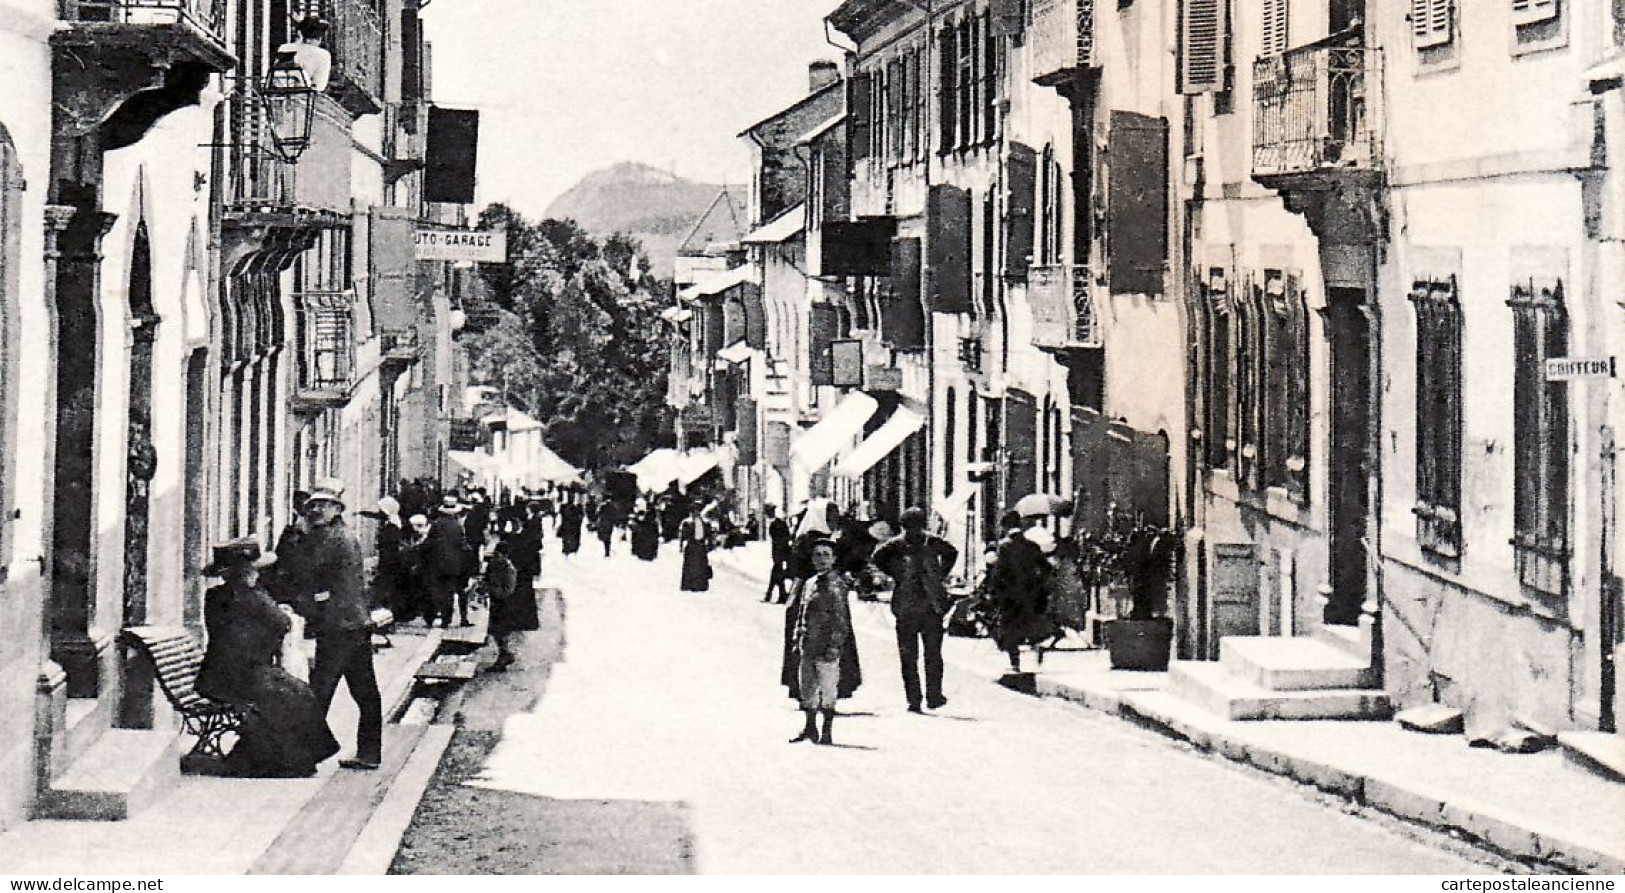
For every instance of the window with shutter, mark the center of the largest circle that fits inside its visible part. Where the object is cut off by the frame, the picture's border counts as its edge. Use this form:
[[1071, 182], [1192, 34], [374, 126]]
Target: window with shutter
[[823, 328], [1438, 416], [993, 83], [902, 322], [1431, 23], [947, 86], [948, 213], [1277, 28], [1530, 12], [1220, 399], [1541, 443], [1137, 203], [1021, 175], [1201, 66]]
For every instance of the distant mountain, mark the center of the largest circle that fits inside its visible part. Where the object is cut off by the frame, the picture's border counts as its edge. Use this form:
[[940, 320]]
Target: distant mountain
[[656, 207]]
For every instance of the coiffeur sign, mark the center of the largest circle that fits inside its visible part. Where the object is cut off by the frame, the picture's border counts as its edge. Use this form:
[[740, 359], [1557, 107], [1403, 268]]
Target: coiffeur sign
[[461, 245]]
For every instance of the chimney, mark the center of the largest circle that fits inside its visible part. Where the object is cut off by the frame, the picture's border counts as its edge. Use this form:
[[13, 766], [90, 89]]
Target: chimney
[[821, 74]]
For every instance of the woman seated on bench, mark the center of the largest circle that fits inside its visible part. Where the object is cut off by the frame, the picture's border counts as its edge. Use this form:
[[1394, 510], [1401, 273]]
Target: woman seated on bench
[[284, 733]]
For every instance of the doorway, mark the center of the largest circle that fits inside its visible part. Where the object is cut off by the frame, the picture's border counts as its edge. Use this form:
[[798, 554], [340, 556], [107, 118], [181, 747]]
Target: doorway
[[1349, 498]]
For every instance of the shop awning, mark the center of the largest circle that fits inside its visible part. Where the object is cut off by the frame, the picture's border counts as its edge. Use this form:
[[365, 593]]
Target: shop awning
[[887, 438], [478, 463], [735, 353], [717, 283], [693, 466], [657, 470], [951, 508], [782, 228], [553, 469], [834, 434], [676, 314]]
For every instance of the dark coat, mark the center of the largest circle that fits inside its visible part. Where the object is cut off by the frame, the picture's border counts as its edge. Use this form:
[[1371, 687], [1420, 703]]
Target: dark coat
[[446, 555], [790, 667], [245, 633], [334, 565], [1019, 584], [513, 597], [918, 569]]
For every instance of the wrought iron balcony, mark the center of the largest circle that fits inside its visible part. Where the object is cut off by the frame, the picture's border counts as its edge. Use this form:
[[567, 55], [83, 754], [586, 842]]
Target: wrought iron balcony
[[111, 50], [1315, 115], [357, 44], [398, 347], [1063, 309], [1062, 36], [261, 184], [326, 357]]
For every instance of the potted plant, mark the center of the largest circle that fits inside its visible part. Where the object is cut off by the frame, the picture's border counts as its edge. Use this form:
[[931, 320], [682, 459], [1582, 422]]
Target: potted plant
[[1143, 564]]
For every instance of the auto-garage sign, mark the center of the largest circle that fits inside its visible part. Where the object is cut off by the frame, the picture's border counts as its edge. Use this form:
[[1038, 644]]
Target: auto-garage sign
[[461, 245]]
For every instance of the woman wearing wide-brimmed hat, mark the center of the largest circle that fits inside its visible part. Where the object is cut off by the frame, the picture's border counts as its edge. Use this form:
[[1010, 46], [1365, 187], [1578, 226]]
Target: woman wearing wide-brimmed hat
[[284, 733]]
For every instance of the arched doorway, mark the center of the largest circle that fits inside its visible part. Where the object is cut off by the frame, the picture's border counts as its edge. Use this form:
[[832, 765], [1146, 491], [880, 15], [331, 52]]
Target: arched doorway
[[141, 459]]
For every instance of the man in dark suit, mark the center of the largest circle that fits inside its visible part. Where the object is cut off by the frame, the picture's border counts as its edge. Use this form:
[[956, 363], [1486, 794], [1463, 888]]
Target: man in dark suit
[[918, 562], [336, 582], [778, 533], [446, 564]]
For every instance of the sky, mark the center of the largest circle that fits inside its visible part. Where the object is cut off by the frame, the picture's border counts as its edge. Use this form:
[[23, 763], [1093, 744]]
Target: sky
[[566, 87]]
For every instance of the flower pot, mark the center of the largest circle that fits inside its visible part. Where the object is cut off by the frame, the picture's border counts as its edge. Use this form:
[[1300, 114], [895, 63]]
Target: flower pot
[[1140, 644]]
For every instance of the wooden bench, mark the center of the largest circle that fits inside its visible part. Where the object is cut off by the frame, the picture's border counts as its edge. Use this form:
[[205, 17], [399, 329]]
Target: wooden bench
[[177, 658]]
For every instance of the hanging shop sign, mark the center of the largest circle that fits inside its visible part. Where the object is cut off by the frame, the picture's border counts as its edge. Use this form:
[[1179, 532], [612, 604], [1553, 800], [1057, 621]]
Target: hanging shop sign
[[461, 245]]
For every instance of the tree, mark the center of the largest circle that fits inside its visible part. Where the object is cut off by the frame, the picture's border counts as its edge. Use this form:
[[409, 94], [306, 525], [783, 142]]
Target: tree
[[569, 330]]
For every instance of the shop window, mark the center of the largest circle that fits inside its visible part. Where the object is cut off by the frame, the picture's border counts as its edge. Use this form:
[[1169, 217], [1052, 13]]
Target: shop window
[[1438, 416], [1541, 443]]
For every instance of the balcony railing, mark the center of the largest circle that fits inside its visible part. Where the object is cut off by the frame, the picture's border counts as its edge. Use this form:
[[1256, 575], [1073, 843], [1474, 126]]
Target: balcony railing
[[1062, 37], [1063, 307], [258, 178], [357, 44], [326, 348], [1315, 112], [208, 16]]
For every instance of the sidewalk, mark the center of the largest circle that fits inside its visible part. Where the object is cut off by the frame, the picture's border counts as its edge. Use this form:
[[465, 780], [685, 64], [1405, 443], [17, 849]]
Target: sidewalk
[[1531, 807], [228, 826]]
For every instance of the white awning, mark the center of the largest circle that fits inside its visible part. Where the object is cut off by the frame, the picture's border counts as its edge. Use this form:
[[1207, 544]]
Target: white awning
[[553, 468], [691, 467], [478, 463], [951, 508], [782, 228], [676, 314], [735, 353], [717, 283], [833, 435], [888, 437], [657, 470]]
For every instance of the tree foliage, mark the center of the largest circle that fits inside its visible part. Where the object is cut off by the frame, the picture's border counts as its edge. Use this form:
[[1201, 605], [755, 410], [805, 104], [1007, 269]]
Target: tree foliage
[[569, 329]]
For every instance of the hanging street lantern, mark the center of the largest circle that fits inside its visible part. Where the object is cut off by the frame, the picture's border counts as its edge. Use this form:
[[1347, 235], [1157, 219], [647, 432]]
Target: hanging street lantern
[[300, 72]]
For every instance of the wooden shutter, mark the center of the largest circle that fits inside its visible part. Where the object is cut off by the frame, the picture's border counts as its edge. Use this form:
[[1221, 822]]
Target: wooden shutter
[[1276, 28], [1201, 51], [1430, 23], [823, 327], [857, 119], [746, 438], [1530, 12], [1021, 179], [1137, 211], [755, 315], [948, 64], [948, 214], [903, 315]]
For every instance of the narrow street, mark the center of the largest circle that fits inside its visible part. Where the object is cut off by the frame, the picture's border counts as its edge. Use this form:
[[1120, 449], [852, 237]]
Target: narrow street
[[651, 737]]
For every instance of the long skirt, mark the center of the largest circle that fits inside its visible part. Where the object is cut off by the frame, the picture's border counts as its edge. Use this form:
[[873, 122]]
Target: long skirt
[[646, 540], [284, 733], [696, 568], [570, 539]]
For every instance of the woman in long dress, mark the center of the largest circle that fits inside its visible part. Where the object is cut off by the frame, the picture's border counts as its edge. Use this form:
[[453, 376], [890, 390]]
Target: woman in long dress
[[284, 731], [645, 532], [695, 536]]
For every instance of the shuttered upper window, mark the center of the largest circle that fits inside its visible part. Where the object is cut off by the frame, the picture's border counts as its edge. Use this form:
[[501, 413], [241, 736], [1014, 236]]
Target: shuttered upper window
[[1431, 23], [1530, 12], [1201, 51], [1276, 28]]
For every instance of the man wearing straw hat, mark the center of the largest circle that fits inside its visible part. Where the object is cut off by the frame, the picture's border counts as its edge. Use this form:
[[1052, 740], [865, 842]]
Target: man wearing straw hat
[[344, 643]]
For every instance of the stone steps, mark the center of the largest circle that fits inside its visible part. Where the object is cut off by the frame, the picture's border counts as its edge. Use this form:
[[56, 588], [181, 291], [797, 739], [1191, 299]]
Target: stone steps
[[1293, 664], [1600, 752], [123, 771], [1214, 688]]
